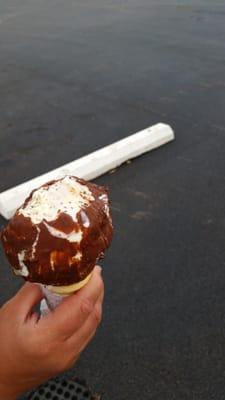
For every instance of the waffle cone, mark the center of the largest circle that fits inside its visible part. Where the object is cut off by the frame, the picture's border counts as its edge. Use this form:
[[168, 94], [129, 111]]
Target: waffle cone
[[69, 289]]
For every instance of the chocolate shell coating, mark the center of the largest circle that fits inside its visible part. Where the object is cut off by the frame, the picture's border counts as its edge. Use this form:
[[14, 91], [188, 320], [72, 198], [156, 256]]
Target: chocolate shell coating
[[64, 250]]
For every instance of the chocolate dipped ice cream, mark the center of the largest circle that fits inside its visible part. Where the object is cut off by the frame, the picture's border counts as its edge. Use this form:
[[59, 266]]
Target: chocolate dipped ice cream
[[58, 235]]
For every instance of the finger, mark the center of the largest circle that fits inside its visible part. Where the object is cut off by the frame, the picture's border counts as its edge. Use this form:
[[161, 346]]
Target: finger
[[82, 337], [71, 314], [86, 334], [26, 298], [75, 356]]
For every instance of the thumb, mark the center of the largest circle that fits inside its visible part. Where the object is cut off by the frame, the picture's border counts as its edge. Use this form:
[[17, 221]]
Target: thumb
[[27, 297]]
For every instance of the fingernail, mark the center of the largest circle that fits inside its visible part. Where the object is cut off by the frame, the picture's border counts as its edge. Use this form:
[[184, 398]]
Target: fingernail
[[99, 269]]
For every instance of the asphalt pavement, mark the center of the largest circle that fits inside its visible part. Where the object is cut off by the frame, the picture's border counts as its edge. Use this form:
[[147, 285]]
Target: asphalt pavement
[[78, 75]]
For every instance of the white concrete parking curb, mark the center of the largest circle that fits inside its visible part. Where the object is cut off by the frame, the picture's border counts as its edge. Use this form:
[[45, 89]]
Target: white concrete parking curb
[[92, 165]]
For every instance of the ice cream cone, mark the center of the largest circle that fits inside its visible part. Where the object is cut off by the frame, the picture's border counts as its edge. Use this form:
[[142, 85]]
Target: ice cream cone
[[69, 289], [58, 234]]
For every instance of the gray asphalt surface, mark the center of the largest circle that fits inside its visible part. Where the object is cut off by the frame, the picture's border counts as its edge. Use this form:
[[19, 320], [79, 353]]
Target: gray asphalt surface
[[77, 75]]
